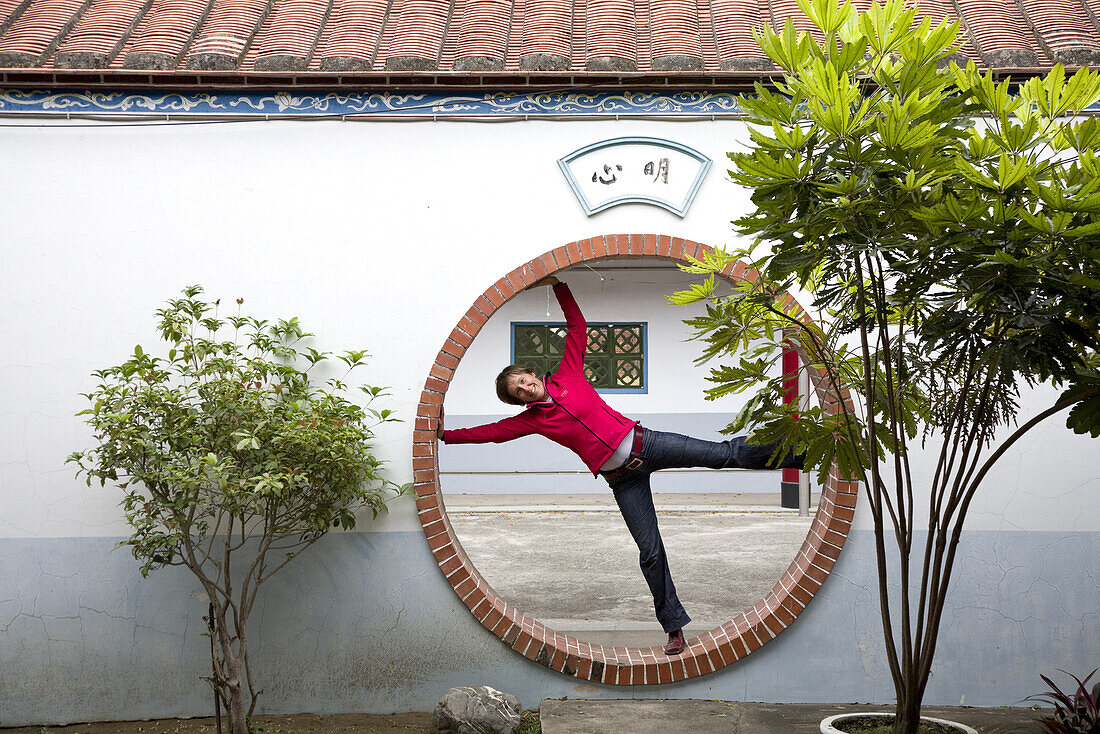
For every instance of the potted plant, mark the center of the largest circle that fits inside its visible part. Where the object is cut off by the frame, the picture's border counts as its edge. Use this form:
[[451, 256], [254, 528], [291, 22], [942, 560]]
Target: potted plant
[[950, 262]]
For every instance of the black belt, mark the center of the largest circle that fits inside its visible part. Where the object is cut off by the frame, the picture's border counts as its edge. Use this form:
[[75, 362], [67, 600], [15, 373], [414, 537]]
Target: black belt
[[632, 463]]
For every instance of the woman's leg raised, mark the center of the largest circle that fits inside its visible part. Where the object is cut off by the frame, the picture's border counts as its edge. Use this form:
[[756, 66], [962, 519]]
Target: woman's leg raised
[[663, 450]]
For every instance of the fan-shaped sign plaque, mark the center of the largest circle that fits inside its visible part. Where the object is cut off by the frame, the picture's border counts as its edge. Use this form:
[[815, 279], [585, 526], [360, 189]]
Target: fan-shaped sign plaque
[[635, 170]]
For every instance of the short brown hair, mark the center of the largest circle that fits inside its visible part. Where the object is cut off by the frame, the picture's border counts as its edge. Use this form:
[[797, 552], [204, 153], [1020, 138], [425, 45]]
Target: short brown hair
[[502, 382]]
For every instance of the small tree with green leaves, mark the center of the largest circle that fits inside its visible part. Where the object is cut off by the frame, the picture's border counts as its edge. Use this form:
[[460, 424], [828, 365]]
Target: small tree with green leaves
[[947, 229], [232, 461]]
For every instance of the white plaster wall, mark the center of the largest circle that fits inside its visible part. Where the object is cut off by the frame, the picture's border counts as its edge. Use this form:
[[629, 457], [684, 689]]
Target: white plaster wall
[[675, 384], [377, 235]]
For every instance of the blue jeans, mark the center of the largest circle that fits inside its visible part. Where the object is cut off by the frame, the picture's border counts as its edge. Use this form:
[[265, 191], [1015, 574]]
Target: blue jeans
[[661, 450]]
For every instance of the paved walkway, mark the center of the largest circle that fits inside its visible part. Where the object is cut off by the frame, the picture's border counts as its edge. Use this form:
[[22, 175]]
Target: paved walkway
[[569, 560], [723, 717]]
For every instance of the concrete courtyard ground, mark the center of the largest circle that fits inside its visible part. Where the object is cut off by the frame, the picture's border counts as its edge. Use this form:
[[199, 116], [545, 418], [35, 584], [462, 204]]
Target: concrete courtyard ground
[[570, 561], [582, 717]]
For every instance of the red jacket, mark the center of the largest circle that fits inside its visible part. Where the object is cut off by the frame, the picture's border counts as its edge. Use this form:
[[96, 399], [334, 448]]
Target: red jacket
[[577, 418]]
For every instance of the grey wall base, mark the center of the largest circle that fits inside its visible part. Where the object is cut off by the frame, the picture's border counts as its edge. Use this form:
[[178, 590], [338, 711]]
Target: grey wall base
[[365, 622]]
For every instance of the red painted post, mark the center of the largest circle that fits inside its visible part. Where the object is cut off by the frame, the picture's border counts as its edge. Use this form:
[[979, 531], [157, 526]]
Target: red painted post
[[789, 483]]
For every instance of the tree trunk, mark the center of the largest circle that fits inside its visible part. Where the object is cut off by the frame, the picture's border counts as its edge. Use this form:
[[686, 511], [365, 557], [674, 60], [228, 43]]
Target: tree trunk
[[235, 705], [907, 714]]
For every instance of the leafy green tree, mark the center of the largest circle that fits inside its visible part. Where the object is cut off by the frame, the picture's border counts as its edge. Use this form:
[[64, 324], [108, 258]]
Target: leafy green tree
[[232, 461], [946, 228]]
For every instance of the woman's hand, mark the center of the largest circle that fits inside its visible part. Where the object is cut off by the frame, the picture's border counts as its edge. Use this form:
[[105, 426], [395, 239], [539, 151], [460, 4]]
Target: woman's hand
[[548, 280], [439, 425]]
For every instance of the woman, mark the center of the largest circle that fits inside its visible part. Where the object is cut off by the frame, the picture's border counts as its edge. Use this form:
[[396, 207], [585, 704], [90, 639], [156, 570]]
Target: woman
[[565, 408]]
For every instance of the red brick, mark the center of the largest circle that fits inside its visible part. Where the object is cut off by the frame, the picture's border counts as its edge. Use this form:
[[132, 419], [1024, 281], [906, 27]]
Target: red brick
[[599, 246], [476, 316], [649, 244], [425, 489], [441, 372], [460, 337], [586, 249], [560, 257], [773, 624], [465, 587], [664, 244], [549, 263], [584, 668], [426, 501], [443, 553], [475, 597], [423, 449], [802, 595], [522, 642], [447, 360], [574, 252], [636, 245], [557, 662], [538, 269], [846, 514], [649, 673], [500, 629], [439, 542], [703, 661], [450, 566], [485, 305], [434, 528], [622, 244], [424, 475], [625, 676], [492, 619], [505, 288], [431, 398], [691, 667], [494, 298]]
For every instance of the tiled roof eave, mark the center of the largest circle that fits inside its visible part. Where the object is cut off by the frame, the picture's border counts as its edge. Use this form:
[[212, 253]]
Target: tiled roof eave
[[23, 78]]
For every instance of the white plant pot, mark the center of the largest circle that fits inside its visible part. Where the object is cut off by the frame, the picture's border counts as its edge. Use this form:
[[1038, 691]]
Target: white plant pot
[[828, 728]]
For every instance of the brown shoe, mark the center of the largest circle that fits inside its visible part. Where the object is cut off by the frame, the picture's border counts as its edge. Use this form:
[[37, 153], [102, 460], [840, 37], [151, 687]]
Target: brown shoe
[[675, 644]]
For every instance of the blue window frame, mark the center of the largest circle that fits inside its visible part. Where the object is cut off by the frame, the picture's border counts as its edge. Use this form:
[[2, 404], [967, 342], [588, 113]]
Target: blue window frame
[[614, 362]]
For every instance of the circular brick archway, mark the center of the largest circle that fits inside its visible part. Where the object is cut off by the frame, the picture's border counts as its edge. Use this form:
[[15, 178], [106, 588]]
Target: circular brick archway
[[569, 655]]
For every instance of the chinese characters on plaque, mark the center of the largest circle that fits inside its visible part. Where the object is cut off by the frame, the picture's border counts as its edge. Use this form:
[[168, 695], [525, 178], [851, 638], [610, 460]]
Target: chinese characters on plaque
[[635, 171]]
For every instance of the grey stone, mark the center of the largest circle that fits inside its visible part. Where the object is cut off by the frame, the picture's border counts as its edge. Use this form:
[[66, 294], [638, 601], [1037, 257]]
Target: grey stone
[[611, 63], [476, 710], [212, 62], [747, 63], [677, 63], [345, 63], [543, 62], [1077, 56], [1011, 58], [281, 63], [478, 63], [19, 60], [81, 60], [148, 60], [410, 63]]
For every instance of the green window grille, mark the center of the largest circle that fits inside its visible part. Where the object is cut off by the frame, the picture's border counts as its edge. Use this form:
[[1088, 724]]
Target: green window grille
[[614, 360]]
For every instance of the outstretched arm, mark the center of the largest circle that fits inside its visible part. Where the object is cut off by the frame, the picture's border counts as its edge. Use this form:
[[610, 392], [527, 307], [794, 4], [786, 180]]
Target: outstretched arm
[[576, 338], [498, 432]]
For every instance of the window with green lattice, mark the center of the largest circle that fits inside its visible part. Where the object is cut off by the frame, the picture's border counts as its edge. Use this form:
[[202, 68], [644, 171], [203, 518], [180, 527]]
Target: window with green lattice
[[614, 360]]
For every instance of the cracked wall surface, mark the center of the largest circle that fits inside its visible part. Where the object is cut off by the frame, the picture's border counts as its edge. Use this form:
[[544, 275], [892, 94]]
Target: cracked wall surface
[[365, 622]]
